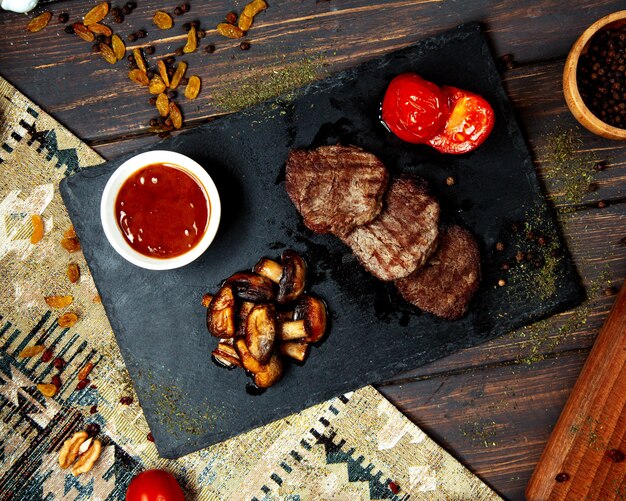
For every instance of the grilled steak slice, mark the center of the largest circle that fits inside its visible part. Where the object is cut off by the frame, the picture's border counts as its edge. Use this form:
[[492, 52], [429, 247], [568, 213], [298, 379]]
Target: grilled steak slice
[[403, 236], [335, 188], [445, 285]]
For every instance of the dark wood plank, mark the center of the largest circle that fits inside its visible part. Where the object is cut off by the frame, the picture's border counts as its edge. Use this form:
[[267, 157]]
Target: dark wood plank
[[496, 420], [97, 101]]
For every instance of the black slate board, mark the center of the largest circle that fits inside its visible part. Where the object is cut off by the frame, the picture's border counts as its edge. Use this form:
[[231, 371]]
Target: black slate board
[[157, 317]]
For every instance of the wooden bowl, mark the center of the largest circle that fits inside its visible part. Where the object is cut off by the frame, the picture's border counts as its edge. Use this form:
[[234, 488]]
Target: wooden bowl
[[570, 85]]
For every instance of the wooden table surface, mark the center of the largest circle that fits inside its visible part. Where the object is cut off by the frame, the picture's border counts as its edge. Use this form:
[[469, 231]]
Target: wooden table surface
[[492, 406]]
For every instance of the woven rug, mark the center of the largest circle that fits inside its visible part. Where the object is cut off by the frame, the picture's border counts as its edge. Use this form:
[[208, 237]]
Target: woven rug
[[356, 446]]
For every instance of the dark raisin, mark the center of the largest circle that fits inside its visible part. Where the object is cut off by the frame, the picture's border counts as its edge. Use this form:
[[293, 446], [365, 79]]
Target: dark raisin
[[56, 380], [210, 49], [131, 58], [244, 45], [47, 355], [152, 101], [150, 437], [82, 384], [126, 400], [615, 455], [92, 429], [93, 409], [64, 17], [231, 18], [116, 12], [59, 363], [150, 74], [100, 38]]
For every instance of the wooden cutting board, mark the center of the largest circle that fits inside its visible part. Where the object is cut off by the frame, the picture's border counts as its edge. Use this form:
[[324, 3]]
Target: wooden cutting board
[[584, 458]]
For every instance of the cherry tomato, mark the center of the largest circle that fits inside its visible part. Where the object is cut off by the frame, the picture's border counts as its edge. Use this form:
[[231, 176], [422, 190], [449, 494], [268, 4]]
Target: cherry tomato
[[414, 109], [154, 485], [469, 124]]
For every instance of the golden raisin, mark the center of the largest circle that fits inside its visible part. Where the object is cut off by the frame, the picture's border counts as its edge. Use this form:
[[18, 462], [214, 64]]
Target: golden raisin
[[119, 47], [107, 53], [163, 72], [192, 41], [163, 105], [178, 74], [97, 14], [31, 351], [38, 229], [176, 116], [83, 32], [59, 301], [138, 76], [70, 232], [249, 11], [47, 390], [70, 244], [100, 29], [73, 272], [229, 30], [193, 87], [39, 23], [162, 20], [156, 85], [84, 372], [67, 320], [206, 300], [141, 64]]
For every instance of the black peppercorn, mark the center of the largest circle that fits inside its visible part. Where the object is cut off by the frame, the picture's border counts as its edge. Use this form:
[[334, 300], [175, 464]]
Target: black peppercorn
[[170, 60], [178, 11], [210, 49], [201, 33], [131, 58], [152, 101], [115, 12], [149, 50], [172, 94], [131, 5], [195, 24], [141, 34], [125, 10], [244, 45], [150, 74], [179, 51], [153, 122], [186, 26], [92, 429], [132, 37], [185, 7], [184, 81], [601, 204], [118, 19], [69, 29], [562, 477], [600, 166], [64, 17], [615, 455], [95, 48]]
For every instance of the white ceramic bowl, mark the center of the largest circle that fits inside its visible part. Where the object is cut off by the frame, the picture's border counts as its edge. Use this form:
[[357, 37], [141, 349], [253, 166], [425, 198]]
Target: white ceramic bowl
[[113, 231]]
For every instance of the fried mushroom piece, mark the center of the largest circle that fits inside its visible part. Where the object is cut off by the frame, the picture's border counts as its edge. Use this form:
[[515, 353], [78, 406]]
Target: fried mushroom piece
[[261, 331], [294, 349], [252, 287], [242, 315], [220, 318], [226, 355], [270, 373], [248, 362], [309, 323], [290, 275]]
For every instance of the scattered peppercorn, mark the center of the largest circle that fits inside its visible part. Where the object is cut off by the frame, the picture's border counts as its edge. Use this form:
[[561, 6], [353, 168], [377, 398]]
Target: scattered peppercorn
[[186, 26], [244, 45], [600, 166], [95, 48], [505, 266], [83, 384], [562, 477], [209, 49], [609, 291], [615, 455], [56, 380], [231, 18], [179, 51], [593, 187], [131, 5], [623, 241], [195, 24], [125, 10], [170, 60], [184, 81], [131, 37], [69, 29], [59, 363], [515, 227], [47, 355], [153, 121], [170, 71], [502, 282], [201, 34], [64, 17], [130, 58], [530, 235], [601, 204], [507, 61], [541, 241], [116, 12], [185, 7], [150, 437], [149, 50], [520, 256], [92, 429], [150, 74], [118, 19], [100, 38], [171, 94], [450, 181], [126, 400], [93, 409], [499, 246], [141, 34]]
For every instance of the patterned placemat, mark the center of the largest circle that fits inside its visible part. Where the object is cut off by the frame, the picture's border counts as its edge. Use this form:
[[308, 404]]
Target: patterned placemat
[[356, 446]]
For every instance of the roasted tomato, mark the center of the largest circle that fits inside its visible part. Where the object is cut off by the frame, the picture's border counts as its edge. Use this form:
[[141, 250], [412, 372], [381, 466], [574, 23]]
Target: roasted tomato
[[154, 485], [469, 124], [414, 109]]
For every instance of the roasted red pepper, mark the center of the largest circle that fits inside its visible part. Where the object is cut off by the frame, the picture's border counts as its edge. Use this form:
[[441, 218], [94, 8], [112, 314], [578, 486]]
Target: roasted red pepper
[[450, 120]]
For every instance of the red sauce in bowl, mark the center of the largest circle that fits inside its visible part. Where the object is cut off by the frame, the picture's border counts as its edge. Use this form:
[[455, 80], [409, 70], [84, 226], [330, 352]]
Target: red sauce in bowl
[[162, 211]]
